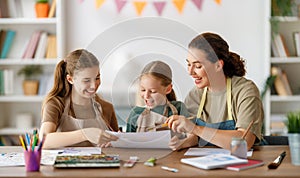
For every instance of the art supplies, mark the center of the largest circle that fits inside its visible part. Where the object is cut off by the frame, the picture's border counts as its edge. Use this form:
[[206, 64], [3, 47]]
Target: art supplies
[[165, 125], [131, 162], [213, 161], [150, 162], [169, 169], [87, 161], [239, 145], [32, 151], [277, 161], [251, 164]]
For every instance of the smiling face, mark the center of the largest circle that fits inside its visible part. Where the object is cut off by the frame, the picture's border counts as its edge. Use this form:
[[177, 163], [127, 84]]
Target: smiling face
[[85, 82], [200, 68], [152, 91]]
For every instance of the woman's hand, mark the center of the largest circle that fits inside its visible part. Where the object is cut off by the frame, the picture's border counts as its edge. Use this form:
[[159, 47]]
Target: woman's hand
[[180, 124], [98, 136]]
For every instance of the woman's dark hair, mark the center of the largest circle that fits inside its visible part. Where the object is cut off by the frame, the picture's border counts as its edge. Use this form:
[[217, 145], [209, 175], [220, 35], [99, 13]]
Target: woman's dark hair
[[216, 49]]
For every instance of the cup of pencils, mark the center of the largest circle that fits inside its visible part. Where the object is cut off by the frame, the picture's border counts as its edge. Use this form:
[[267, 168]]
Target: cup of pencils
[[32, 151]]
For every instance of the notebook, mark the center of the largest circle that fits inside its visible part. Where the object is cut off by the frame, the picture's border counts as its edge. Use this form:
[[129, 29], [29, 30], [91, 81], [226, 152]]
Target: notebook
[[251, 164], [88, 161], [213, 161]]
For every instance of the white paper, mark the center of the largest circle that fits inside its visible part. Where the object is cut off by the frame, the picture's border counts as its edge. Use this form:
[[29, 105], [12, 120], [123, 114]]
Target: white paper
[[205, 151], [210, 151], [158, 139], [213, 161], [75, 151]]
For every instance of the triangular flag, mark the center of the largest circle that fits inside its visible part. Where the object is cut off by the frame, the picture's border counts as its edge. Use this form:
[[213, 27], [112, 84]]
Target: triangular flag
[[99, 3], [218, 2], [120, 4], [179, 5], [159, 6], [139, 6], [198, 3]]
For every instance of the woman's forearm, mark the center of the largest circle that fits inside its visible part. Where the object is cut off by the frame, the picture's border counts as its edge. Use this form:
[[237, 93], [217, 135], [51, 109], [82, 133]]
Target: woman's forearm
[[222, 138]]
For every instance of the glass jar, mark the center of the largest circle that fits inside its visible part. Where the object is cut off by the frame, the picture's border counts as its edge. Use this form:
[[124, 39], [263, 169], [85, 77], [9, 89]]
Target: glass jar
[[239, 147]]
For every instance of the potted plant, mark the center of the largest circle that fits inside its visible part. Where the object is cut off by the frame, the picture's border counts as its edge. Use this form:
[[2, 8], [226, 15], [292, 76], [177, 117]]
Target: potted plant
[[30, 83], [42, 8], [293, 127]]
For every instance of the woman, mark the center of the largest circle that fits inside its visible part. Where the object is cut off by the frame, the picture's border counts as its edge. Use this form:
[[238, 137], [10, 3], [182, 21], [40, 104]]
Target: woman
[[72, 113], [225, 101]]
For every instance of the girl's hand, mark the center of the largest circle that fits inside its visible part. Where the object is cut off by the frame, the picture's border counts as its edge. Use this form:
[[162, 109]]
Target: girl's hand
[[176, 143], [180, 124], [105, 145], [98, 136]]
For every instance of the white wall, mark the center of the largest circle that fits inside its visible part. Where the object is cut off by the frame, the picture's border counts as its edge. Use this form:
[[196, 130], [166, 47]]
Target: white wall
[[243, 24]]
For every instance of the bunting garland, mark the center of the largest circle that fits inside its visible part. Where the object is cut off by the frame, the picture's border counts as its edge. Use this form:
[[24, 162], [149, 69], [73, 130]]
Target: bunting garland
[[159, 5]]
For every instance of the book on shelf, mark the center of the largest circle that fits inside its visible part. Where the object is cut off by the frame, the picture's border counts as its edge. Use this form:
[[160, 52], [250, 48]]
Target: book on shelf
[[9, 37], [11, 9], [51, 47], [1, 82], [279, 45], [213, 161], [251, 164], [52, 9], [42, 46], [32, 45], [4, 9], [281, 82], [15, 8], [6, 81], [296, 38], [94, 160], [2, 39]]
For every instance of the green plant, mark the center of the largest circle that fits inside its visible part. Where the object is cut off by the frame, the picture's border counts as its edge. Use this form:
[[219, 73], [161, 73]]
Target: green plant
[[268, 84], [30, 71], [293, 122], [282, 7], [42, 1]]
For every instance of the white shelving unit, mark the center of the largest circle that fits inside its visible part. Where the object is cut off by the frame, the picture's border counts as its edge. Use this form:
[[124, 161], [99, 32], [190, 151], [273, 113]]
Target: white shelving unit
[[276, 107], [12, 105]]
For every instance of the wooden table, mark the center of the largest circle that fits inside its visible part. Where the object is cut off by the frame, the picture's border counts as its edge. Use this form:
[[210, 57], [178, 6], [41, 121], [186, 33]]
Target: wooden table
[[265, 153]]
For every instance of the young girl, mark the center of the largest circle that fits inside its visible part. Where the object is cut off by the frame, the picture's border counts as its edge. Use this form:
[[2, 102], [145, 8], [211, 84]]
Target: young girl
[[160, 100], [72, 112]]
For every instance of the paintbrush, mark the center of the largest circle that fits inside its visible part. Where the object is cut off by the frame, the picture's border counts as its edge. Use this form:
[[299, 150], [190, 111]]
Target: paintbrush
[[277, 161]]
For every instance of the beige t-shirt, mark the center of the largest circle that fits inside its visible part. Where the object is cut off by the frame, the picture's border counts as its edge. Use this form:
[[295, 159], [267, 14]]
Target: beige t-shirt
[[54, 109], [246, 105]]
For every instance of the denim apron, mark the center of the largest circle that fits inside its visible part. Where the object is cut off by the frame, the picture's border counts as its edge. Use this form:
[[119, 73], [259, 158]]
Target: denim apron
[[229, 124]]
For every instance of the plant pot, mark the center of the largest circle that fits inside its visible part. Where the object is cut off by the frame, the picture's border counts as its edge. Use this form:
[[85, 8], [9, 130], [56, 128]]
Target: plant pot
[[30, 87], [42, 10], [294, 144]]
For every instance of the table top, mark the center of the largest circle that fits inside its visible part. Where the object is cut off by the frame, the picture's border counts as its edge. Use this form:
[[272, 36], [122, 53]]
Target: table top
[[165, 158]]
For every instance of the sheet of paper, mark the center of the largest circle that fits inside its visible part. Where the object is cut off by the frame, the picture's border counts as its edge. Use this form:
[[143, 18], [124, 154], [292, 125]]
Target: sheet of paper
[[75, 151], [210, 151], [17, 158], [205, 151], [159, 139], [48, 156]]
